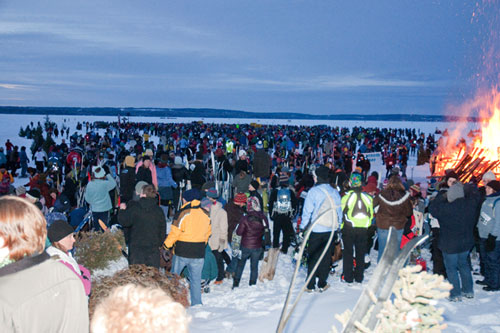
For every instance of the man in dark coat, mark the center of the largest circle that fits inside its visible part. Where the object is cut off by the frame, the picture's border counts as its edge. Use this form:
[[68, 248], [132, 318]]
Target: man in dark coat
[[146, 221], [456, 213], [127, 179], [261, 162]]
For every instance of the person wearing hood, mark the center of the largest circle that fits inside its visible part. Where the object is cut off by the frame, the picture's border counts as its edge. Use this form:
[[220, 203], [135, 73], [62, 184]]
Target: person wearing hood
[[218, 239], [147, 227], [127, 179], [358, 214], [456, 211], [392, 208], [489, 233]]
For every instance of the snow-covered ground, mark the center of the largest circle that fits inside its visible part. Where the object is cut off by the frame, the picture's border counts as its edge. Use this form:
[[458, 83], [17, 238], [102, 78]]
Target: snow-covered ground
[[258, 308]]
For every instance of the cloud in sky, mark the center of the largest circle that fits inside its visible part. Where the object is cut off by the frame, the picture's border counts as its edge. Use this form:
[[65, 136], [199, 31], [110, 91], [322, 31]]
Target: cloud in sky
[[277, 55]]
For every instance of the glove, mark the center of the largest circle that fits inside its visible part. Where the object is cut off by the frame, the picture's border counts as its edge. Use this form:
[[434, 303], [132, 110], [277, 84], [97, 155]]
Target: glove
[[490, 243]]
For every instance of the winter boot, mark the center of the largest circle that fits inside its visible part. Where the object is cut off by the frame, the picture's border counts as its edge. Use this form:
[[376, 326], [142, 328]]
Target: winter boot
[[236, 283]]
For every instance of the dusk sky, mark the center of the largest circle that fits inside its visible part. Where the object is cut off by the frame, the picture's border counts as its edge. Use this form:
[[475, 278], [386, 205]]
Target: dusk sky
[[319, 57]]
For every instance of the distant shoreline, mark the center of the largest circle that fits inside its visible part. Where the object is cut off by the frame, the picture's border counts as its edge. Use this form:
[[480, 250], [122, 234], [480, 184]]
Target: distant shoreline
[[170, 113]]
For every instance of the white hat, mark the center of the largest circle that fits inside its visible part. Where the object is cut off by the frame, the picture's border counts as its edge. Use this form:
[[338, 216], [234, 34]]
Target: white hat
[[242, 153], [259, 145], [98, 171], [489, 176], [178, 160]]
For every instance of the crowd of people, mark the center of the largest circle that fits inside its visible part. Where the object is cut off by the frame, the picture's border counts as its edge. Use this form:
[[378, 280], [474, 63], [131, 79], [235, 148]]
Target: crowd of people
[[223, 194]]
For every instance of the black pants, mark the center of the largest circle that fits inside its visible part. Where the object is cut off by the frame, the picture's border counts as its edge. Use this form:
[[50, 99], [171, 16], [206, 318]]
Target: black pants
[[437, 255], [220, 257], [282, 222], [354, 238], [315, 247]]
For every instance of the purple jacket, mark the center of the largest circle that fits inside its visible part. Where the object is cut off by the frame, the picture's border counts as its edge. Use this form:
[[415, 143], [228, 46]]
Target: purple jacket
[[251, 230]]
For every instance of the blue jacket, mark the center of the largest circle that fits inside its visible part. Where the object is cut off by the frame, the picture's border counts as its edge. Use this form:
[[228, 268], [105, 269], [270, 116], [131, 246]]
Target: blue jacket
[[97, 194], [314, 200], [164, 176]]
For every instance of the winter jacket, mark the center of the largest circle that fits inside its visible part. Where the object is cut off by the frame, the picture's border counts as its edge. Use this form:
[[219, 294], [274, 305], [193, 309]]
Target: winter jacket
[[97, 194], [218, 220], [164, 175], [179, 174], [198, 175], [152, 168], [241, 184], [392, 209], [251, 230], [146, 221], [70, 262], [456, 220], [39, 294], [358, 208], [489, 218], [127, 184], [190, 231], [143, 174], [261, 164], [313, 202], [234, 216]]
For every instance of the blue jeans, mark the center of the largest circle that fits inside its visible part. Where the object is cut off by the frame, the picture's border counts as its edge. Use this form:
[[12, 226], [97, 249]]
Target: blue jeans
[[382, 235], [254, 255], [492, 267], [194, 268], [456, 264]]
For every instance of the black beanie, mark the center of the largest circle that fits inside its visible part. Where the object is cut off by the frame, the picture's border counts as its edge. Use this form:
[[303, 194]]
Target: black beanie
[[255, 184], [495, 185], [58, 230]]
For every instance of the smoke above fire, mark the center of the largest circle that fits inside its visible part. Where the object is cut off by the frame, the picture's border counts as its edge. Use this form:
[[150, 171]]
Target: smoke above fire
[[473, 153]]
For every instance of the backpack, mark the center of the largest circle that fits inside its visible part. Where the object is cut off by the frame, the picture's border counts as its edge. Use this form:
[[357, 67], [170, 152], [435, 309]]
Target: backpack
[[283, 202]]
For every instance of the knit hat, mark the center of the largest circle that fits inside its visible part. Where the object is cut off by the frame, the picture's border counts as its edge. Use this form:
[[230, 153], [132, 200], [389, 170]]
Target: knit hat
[[355, 180], [58, 230], [456, 191], [322, 173], [178, 160], [259, 145], [253, 204], [370, 188], [207, 185], [130, 161], [240, 198], [395, 170], [431, 189], [255, 184], [284, 178], [415, 189], [33, 194], [149, 152], [138, 187], [192, 194], [20, 190], [242, 153], [494, 184], [212, 193], [489, 176], [451, 174]]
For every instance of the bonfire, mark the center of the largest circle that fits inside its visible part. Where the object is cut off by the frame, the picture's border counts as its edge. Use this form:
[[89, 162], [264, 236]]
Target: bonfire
[[471, 158]]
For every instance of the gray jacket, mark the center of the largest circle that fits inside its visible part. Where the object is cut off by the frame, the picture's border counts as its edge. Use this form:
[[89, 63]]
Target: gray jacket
[[40, 294], [489, 218]]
